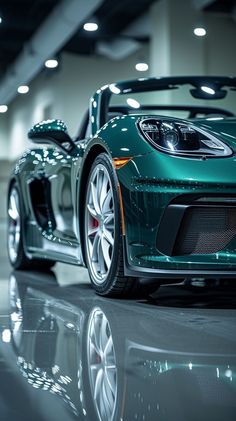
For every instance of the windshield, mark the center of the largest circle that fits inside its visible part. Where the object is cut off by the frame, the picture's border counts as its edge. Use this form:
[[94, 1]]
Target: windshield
[[177, 102], [180, 96]]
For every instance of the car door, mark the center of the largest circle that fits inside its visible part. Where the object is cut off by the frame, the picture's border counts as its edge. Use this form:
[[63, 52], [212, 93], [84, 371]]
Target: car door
[[60, 172]]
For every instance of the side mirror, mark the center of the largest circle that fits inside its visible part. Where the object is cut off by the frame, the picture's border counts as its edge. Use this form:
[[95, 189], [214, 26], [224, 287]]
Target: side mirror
[[52, 131]]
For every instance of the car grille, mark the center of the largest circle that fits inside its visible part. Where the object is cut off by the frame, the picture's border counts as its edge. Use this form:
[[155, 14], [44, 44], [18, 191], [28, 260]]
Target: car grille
[[205, 230]]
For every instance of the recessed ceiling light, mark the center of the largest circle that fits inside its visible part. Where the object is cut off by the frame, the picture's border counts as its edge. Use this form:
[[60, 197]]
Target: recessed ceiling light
[[141, 67], [3, 108], [90, 26], [23, 89], [51, 63], [199, 32], [0, 19]]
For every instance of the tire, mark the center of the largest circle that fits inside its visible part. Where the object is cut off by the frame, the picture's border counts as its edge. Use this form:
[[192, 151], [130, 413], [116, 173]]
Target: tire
[[102, 234], [15, 242]]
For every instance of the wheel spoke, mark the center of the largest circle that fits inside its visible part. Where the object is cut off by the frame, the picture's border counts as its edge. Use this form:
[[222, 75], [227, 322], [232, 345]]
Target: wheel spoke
[[101, 260], [109, 217], [98, 382], [105, 250], [92, 211], [108, 347], [95, 247], [107, 202], [108, 236], [107, 396], [93, 231], [100, 223], [103, 193], [111, 378], [94, 340], [95, 202], [103, 333]]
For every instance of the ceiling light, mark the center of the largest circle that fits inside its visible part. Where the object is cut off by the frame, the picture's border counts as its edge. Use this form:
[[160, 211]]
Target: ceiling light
[[141, 67], [90, 26], [23, 89], [199, 32], [3, 108], [133, 103], [0, 19], [208, 90], [51, 63]]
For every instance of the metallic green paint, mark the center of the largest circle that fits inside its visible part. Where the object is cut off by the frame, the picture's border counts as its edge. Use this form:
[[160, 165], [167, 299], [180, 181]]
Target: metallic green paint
[[47, 126], [149, 183]]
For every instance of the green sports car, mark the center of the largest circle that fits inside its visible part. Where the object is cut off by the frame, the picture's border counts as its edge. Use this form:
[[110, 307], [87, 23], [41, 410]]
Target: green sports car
[[145, 194]]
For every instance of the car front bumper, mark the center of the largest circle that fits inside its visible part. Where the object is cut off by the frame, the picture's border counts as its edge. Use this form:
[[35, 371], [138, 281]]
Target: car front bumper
[[176, 227]]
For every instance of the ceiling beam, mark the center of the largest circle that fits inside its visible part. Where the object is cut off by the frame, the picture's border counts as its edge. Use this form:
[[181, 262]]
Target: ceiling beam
[[52, 35]]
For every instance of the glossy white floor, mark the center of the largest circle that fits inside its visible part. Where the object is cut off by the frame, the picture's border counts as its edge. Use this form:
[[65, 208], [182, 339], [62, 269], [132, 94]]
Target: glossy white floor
[[67, 354]]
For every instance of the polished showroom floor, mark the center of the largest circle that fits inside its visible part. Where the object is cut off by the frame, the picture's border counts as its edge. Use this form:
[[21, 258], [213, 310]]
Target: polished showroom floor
[[67, 354]]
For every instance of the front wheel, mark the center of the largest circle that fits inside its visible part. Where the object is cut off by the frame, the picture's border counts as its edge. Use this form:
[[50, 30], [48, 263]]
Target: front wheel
[[103, 235]]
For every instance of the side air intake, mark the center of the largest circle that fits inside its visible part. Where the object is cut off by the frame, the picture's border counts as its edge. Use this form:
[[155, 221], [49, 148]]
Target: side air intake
[[205, 230]]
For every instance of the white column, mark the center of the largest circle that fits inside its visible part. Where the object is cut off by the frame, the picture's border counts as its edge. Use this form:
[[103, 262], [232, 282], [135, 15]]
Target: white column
[[175, 50]]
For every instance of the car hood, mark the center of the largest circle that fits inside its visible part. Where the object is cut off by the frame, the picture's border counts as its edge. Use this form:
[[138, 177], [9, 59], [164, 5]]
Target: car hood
[[224, 129]]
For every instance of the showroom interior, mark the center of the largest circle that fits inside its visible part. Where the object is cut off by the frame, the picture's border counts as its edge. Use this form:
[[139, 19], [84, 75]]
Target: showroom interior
[[67, 353]]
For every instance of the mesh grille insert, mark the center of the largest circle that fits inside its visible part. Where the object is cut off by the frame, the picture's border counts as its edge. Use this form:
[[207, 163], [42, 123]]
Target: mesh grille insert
[[205, 230]]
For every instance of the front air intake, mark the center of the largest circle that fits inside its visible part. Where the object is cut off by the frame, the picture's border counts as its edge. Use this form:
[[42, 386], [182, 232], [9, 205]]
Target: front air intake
[[205, 230]]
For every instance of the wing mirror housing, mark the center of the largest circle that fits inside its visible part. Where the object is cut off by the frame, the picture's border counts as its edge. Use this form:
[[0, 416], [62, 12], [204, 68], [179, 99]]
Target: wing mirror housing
[[52, 131]]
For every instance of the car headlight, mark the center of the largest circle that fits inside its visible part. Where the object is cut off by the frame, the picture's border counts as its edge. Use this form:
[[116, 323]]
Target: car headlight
[[180, 138]]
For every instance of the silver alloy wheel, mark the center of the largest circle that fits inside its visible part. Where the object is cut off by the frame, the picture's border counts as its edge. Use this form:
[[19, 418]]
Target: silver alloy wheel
[[99, 223], [14, 228], [102, 365]]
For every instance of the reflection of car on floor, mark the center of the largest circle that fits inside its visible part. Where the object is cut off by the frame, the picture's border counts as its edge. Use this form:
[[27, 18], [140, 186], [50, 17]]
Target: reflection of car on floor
[[146, 192], [78, 350]]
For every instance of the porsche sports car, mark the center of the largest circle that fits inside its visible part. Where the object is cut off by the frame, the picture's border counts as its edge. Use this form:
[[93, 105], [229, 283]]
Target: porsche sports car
[[145, 194]]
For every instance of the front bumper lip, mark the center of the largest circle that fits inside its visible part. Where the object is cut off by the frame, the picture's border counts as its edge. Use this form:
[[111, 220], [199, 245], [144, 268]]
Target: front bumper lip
[[160, 273], [176, 274]]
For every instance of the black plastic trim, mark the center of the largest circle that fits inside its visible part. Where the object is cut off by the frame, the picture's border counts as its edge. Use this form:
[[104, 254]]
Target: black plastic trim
[[152, 275], [171, 223]]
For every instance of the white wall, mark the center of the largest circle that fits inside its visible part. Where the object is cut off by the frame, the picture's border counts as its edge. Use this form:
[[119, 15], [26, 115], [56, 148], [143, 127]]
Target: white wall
[[63, 93], [4, 150], [175, 50], [220, 45]]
